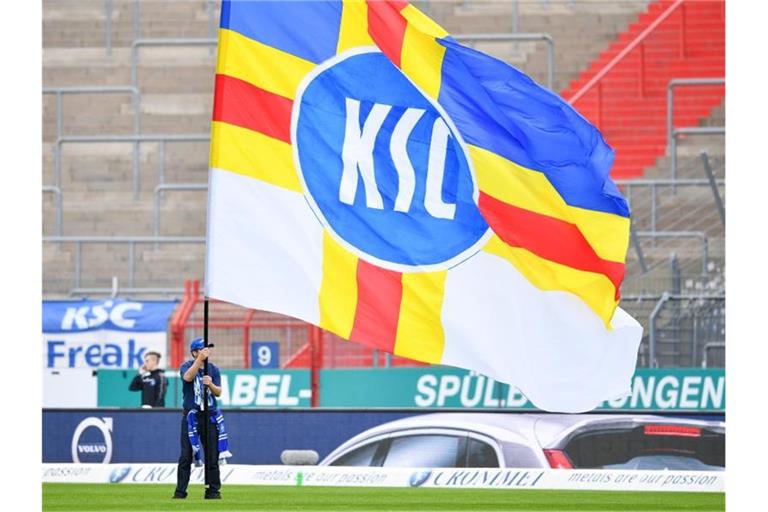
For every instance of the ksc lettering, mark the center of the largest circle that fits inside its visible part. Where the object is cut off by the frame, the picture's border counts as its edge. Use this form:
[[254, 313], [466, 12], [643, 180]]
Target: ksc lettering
[[85, 317], [358, 157]]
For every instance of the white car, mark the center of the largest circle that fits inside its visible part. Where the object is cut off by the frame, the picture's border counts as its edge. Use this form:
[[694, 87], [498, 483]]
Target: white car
[[478, 440]]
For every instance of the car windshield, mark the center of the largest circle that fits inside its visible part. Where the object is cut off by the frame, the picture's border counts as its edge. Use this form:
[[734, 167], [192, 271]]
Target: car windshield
[[648, 447], [670, 462]]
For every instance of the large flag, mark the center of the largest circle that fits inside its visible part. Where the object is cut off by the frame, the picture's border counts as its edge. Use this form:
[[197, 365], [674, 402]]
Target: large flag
[[374, 177]]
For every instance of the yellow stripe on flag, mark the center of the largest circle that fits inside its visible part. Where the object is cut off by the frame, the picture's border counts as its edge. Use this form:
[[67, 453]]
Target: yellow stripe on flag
[[422, 22], [608, 234], [420, 333], [593, 288], [421, 58], [263, 66], [338, 290], [353, 30], [253, 154]]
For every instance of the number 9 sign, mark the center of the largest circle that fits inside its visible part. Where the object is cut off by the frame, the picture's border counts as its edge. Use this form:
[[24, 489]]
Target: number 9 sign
[[265, 354]]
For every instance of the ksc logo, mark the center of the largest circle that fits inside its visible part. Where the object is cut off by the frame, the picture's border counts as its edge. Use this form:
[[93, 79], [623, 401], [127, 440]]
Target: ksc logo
[[383, 167], [92, 441], [87, 317]]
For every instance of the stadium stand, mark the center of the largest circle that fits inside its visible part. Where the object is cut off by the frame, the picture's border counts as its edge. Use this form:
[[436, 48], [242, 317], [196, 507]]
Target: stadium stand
[[621, 89], [111, 199]]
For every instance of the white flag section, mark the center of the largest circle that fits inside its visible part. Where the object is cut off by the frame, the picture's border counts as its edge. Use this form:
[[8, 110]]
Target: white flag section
[[548, 344], [266, 250]]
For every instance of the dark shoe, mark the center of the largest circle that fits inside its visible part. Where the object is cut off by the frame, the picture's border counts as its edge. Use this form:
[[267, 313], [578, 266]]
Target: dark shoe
[[213, 496], [179, 496]]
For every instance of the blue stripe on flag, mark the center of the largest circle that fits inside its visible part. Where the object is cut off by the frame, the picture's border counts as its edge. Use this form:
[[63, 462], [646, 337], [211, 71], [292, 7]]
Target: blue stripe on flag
[[307, 29], [499, 108]]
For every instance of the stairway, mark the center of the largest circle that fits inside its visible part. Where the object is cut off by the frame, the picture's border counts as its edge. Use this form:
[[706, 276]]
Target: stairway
[[629, 102]]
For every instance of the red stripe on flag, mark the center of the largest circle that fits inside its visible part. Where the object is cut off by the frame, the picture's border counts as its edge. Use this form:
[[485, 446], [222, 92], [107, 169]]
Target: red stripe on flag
[[548, 238], [386, 26], [379, 292], [243, 104]]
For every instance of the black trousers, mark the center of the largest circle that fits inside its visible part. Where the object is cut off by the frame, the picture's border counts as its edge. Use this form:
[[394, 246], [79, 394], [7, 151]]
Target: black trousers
[[210, 447]]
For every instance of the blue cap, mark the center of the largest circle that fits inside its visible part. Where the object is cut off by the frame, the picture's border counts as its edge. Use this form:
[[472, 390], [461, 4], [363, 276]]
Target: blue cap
[[198, 344]]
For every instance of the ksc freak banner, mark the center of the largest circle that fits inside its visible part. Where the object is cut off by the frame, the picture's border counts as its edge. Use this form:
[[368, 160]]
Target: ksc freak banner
[[111, 333]]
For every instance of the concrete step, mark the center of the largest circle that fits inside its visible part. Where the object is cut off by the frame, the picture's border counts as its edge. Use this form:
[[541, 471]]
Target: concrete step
[[83, 23], [177, 85]]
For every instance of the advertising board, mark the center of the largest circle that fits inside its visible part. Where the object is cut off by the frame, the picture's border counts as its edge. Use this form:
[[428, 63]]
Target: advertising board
[[256, 436], [82, 336], [658, 389], [103, 334], [468, 478]]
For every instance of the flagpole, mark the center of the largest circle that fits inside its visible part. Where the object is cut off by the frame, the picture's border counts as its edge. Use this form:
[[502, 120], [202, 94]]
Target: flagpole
[[204, 407]]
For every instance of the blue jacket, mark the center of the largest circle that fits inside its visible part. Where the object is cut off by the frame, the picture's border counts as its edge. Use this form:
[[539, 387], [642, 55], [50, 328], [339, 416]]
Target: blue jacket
[[193, 391]]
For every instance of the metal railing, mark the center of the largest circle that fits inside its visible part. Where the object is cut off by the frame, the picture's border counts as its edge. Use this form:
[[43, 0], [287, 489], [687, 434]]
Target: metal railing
[[699, 235], [698, 130], [130, 241], [709, 346], [160, 42], [638, 249], [132, 139], [713, 185], [108, 27], [521, 37], [638, 42], [108, 11], [652, 329], [655, 184], [672, 133], [139, 43], [56, 191], [165, 187], [683, 82], [210, 8], [96, 89], [652, 320], [501, 37], [630, 280], [128, 291]]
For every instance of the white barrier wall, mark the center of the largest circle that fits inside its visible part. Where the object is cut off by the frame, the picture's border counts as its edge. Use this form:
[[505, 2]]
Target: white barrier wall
[[70, 388], [461, 478]]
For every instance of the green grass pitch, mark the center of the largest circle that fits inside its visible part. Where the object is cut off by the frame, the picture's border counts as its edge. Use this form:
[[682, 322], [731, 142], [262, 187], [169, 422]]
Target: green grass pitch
[[138, 497]]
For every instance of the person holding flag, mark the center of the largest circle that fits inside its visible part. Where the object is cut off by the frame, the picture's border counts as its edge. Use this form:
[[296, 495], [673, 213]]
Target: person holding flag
[[194, 381]]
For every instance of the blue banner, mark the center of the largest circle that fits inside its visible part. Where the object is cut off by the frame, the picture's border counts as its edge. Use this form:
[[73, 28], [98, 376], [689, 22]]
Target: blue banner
[[153, 435], [112, 314]]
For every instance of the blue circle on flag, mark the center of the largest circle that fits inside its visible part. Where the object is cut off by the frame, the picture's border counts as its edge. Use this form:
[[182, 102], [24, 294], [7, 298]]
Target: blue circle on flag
[[383, 167]]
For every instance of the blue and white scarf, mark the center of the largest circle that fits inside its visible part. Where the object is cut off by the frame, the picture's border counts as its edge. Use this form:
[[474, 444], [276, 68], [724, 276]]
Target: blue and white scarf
[[194, 437]]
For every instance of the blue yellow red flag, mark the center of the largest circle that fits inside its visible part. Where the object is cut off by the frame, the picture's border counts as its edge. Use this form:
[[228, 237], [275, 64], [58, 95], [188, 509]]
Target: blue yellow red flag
[[371, 175]]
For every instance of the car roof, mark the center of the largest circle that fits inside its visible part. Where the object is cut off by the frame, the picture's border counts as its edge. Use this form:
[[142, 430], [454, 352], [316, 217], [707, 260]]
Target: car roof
[[517, 421], [546, 429]]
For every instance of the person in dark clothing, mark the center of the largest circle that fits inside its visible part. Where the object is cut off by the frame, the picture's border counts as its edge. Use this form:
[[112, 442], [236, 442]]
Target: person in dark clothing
[[150, 381], [191, 373]]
